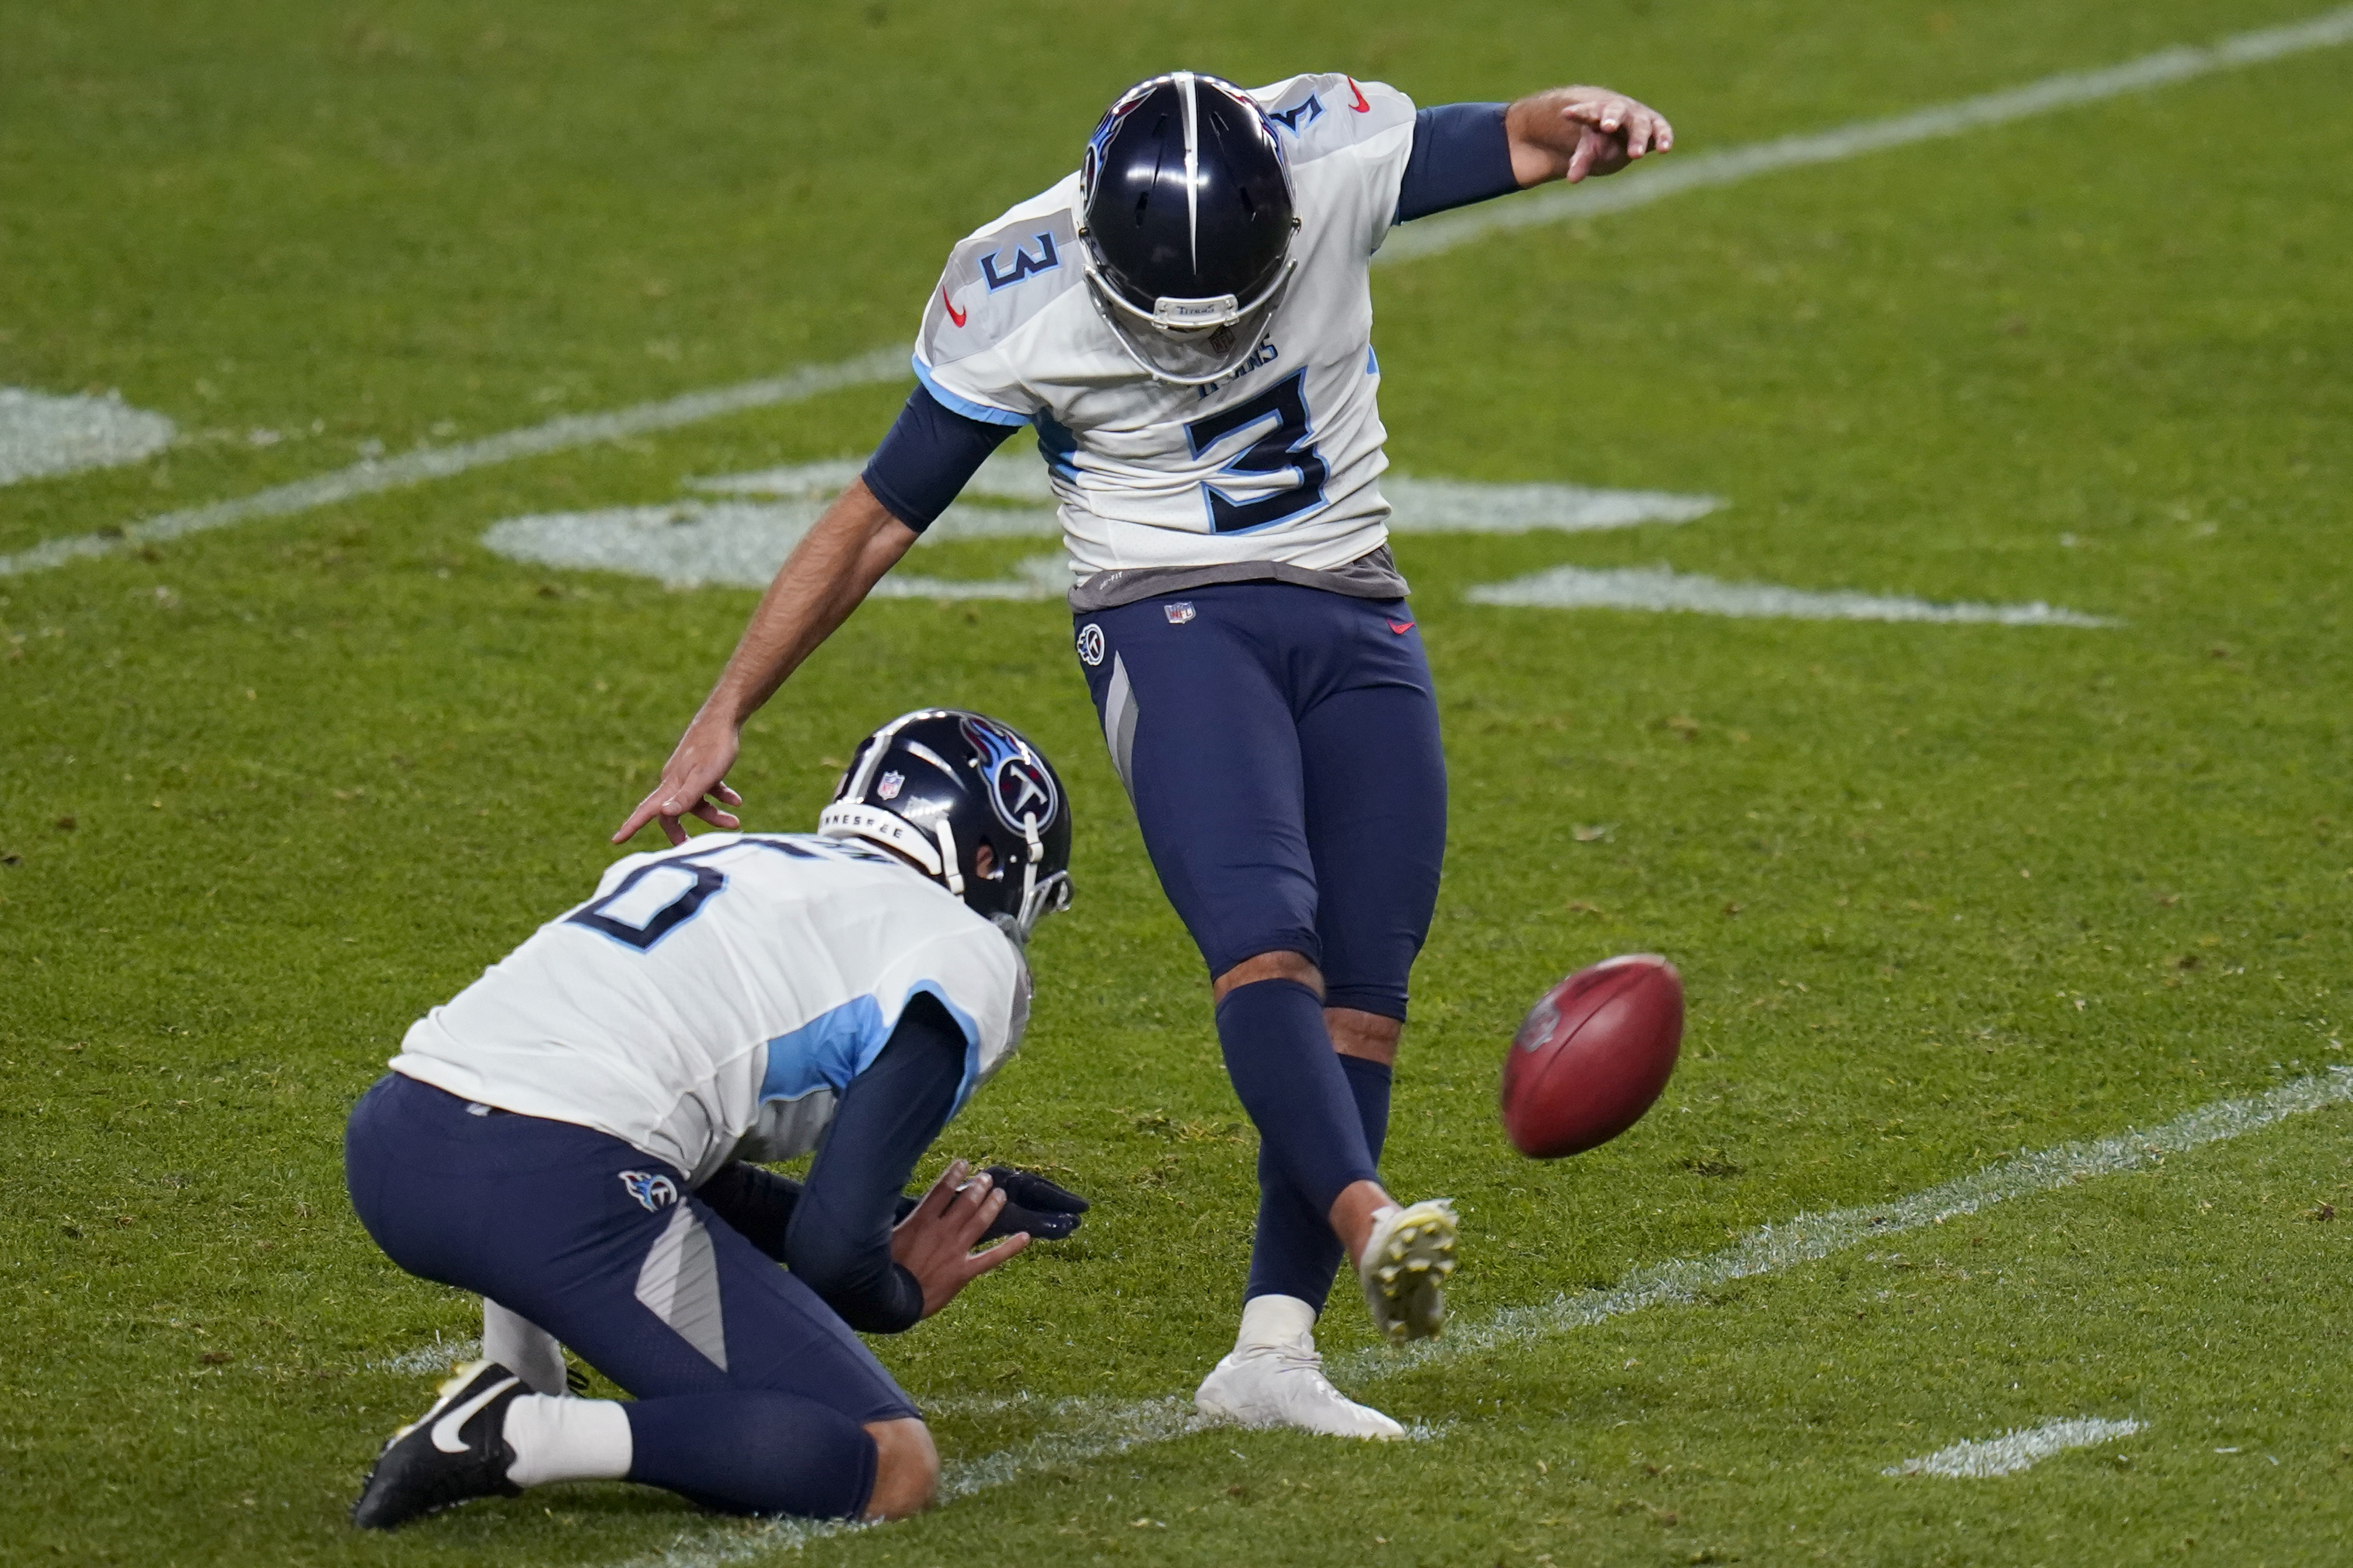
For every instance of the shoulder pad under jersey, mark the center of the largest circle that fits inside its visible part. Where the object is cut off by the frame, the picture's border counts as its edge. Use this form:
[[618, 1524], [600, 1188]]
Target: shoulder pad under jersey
[[1326, 113], [1001, 276]]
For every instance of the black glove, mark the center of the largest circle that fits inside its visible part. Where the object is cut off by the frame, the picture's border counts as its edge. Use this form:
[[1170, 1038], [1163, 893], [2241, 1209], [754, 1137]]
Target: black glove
[[1048, 1212]]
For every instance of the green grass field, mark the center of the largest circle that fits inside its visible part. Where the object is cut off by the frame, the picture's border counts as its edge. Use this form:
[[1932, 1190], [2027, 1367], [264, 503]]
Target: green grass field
[[1940, 892]]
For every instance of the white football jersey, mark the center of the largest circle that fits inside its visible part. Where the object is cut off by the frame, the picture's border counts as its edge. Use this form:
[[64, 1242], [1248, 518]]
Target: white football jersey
[[1279, 462], [714, 1000]]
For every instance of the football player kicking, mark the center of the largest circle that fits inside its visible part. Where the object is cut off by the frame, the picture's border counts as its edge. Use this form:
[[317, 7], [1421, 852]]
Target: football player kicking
[[1186, 325], [566, 1138]]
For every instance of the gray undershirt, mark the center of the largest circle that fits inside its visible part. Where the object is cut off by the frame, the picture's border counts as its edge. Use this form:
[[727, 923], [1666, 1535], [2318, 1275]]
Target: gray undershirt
[[1373, 575]]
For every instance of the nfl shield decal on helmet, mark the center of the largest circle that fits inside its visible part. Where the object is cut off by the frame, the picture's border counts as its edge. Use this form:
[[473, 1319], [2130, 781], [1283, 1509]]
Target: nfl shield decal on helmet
[[890, 786], [1091, 644], [655, 1192], [1179, 613], [1019, 787]]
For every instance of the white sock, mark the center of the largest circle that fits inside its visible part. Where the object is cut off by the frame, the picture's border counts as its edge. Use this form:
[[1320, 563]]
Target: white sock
[[567, 1440], [523, 1347], [1276, 1320]]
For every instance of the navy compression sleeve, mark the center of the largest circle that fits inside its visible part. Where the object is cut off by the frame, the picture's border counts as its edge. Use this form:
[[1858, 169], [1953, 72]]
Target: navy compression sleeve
[[929, 454], [1460, 154], [839, 1241]]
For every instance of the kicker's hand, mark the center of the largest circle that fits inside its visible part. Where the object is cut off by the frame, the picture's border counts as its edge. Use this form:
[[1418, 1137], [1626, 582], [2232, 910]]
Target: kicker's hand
[[1047, 1211], [693, 783], [935, 1242], [1574, 132]]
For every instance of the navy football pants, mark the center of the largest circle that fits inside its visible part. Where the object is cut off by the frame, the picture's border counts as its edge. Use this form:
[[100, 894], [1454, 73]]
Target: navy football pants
[[751, 1394], [1281, 745]]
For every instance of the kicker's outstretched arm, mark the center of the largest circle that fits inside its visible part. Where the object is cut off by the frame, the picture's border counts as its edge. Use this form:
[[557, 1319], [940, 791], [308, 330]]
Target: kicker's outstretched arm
[[829, 573], [1570, 132]]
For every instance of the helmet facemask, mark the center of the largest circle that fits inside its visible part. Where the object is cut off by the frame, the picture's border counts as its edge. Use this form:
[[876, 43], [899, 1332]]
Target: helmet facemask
[[1188, 343]]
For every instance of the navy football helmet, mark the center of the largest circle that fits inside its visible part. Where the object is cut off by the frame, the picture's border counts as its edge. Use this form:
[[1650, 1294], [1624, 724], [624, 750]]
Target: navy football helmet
[[1185, 212], [936, 785]]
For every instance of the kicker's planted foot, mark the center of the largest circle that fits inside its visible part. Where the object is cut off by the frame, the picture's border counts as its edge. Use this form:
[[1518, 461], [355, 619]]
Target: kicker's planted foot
[[1284, 1385]]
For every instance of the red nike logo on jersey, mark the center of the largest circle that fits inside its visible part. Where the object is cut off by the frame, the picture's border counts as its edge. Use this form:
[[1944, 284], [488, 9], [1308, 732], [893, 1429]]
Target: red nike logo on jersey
[[1400, 627], [958, 317], [1360, 106]]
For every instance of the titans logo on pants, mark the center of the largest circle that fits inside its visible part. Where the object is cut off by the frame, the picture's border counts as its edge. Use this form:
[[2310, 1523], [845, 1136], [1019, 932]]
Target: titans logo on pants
[[655, 1192]]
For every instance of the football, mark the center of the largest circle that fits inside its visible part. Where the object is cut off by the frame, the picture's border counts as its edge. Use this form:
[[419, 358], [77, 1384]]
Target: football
[[1592, 1056]]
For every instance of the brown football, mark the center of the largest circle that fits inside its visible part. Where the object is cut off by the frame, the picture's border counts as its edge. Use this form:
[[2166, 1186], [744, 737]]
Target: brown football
[[1592, 1056]]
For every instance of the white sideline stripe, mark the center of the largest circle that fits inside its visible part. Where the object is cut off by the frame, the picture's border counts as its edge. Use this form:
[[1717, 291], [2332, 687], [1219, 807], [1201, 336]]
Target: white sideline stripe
[[2014, 1450], [374, 476], [1113, 1428], [1657, 588], [1644, 184], [1428, 237]]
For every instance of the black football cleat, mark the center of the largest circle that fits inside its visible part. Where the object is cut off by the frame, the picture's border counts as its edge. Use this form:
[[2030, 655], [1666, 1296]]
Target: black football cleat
[[454, 1453]]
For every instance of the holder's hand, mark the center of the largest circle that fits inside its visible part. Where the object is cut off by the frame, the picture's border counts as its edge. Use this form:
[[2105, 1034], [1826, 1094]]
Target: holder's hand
[[935, 1243]]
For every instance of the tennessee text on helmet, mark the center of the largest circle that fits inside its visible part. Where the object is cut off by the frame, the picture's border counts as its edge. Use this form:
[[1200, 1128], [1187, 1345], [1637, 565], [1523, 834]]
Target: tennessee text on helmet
[[1186, 217], [937, 785]]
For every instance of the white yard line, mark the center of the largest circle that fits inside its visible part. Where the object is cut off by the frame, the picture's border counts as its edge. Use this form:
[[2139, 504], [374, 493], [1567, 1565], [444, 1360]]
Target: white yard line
[[1680, 172], [2015, 1450], [1810, 1237], [1096, 1428], [1656, 588], [1428, 237], [436, 1358], [375, 475]]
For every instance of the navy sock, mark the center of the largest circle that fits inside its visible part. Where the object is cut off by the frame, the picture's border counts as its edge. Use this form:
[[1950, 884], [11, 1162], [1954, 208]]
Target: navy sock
[[754, 1452], [1293, 1252], [1368, 1085], [1284, 1068]]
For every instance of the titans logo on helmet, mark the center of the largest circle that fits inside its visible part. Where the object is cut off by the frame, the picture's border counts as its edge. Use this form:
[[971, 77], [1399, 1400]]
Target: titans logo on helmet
[[1019, 787]]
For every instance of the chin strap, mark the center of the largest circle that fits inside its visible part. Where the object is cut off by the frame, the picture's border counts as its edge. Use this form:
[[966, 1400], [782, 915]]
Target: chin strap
[[949, 868]]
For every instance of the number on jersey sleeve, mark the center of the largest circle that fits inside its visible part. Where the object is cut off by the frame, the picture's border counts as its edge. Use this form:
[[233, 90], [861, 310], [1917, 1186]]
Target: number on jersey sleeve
[[1285, 447]]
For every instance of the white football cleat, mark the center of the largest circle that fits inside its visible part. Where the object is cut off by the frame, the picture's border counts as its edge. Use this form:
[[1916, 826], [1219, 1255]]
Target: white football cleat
[[1284, 1385], [1405, 1266]]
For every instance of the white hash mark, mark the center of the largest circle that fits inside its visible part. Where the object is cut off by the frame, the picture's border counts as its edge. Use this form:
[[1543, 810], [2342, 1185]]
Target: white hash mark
[[2015, 1450], [1657, 588]]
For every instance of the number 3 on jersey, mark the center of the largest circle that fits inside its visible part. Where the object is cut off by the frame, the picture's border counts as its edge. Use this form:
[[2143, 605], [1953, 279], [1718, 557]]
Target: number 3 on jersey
[[1284, 448]]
